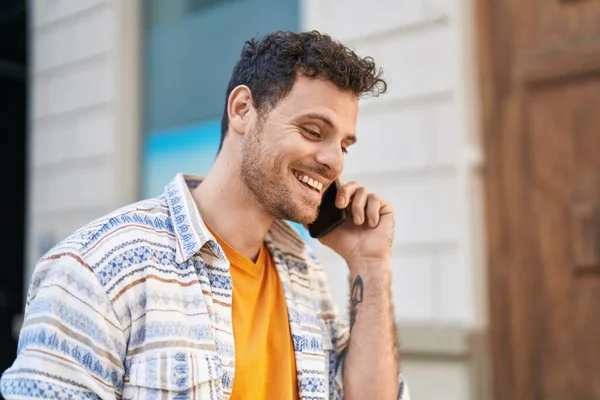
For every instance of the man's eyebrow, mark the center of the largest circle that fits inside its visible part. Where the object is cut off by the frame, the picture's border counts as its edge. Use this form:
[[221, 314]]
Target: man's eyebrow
[[327, 121], [321, 117]]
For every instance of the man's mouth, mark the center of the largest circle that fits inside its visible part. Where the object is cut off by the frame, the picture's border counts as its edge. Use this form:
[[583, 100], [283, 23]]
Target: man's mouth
[[309, 182]]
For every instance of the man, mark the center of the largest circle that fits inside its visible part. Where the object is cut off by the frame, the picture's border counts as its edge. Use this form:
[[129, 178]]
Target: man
[[206, 291]]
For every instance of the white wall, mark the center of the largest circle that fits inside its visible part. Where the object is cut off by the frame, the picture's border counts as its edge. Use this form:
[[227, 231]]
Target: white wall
[[83, 135], [417, 147]]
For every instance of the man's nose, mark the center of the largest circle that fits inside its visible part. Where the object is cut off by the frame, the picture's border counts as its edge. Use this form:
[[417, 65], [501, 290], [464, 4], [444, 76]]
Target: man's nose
[[331, 156]]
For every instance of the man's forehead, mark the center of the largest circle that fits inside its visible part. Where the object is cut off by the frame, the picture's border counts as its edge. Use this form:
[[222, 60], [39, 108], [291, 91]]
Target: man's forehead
[[317, 97]]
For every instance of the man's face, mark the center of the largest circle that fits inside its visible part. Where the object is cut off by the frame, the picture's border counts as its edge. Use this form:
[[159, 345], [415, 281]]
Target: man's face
[[297, 150]]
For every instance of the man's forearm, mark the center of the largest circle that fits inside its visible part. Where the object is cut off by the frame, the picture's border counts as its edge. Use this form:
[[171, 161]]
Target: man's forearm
[[371, 368]]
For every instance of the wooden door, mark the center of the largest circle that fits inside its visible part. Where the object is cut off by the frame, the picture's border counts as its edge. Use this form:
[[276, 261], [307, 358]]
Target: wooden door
[[540, 101]]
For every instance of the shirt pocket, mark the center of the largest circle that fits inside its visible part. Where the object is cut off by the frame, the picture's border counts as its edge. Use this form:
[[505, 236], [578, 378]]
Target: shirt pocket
[[168, 375]]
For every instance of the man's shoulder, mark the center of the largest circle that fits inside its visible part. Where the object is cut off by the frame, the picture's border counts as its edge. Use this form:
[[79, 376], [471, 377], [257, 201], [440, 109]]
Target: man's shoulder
[[145, 220], [103, 254]]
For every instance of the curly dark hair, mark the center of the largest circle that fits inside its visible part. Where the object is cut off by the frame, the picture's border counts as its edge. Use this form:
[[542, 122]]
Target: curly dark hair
[[269, 67]]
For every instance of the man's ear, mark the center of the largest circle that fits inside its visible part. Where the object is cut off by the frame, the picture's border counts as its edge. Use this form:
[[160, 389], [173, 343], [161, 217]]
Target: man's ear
[[240, 109]]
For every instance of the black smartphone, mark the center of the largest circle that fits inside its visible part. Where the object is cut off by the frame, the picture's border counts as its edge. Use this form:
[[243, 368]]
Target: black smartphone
[[330, 217]]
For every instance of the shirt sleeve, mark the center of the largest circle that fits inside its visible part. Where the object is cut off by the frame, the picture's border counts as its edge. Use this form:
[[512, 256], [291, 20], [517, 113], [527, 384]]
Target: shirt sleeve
[[71, 344], [340, 334]]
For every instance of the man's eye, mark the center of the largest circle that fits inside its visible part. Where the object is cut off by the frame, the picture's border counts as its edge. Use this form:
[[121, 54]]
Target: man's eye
[[344, 150], [312, 133]]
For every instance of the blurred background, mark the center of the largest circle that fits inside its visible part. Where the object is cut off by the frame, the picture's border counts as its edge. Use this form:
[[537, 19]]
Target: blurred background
[[486, 143]]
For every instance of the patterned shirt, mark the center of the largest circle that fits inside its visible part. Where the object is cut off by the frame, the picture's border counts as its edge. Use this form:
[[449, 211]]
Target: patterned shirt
[[137, 305]]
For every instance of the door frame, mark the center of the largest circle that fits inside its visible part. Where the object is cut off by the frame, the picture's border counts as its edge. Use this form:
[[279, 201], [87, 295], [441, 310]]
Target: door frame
[[493, 56]]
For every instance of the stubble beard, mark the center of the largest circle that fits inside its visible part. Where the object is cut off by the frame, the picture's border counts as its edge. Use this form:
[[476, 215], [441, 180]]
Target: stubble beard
[[262, 175]]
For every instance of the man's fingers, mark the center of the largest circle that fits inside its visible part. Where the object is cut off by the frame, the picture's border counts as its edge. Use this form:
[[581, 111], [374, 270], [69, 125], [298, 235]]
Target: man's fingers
[[345, 193], [365, 206], [373, 208], [359, 201], [386, 208]]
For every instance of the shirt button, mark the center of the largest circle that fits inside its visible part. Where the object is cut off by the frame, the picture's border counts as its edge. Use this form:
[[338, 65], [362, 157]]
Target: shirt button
[[225, 362]]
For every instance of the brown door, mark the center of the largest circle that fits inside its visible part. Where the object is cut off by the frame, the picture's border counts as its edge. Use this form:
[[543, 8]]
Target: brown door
[[540, 70]]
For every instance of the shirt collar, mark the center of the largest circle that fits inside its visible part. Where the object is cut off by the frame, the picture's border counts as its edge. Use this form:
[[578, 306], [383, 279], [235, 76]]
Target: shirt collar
[[192, 234], [190, 231]]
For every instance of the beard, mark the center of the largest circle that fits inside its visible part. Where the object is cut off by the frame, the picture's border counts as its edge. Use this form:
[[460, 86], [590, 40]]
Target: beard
[[263, 175]]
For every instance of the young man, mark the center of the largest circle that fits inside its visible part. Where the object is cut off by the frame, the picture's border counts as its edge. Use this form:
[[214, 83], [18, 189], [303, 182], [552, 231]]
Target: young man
[[205, 292]]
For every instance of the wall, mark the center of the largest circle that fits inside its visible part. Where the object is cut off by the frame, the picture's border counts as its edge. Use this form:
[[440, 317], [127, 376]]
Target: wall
[[83, 118], [417, 148]]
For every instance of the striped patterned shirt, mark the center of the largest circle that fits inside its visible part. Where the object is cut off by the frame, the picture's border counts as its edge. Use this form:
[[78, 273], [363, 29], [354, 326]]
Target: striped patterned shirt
[[137, 305]]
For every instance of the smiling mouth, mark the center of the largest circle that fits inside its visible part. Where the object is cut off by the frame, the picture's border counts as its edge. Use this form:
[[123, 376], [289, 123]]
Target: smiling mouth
[[309, 182]]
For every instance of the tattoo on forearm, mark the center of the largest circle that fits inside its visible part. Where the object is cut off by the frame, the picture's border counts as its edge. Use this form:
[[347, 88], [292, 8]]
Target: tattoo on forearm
[[391, 238], [356, 298]]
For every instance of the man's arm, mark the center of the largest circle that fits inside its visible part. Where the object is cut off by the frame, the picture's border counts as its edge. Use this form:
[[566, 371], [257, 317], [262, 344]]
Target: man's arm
[[71, 344], [372, 363]]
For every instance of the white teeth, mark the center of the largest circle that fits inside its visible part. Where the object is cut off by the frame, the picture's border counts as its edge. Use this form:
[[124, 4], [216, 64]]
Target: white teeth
[[309, 181]]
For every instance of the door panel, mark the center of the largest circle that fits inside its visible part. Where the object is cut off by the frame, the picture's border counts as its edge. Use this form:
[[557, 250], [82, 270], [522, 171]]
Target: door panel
[[542, 25], [564, 185], [540, 89]]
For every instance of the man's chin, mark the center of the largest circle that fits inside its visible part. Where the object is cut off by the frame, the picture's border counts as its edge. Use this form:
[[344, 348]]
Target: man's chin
[[303, 217]]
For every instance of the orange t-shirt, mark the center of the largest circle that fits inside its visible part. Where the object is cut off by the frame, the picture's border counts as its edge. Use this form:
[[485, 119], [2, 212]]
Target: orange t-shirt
[[265, 366]]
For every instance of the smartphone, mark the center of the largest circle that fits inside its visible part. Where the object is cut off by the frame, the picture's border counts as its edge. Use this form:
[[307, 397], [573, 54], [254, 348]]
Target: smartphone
[[330, 217]]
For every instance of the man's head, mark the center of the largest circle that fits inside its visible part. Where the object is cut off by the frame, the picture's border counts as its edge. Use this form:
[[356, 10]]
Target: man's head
[[290, 115]]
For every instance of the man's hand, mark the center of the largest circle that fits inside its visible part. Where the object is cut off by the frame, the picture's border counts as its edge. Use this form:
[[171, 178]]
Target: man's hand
[[368, 233]]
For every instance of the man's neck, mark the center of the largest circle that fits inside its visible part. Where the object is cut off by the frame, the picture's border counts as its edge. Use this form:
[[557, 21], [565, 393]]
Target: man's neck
[[229, 208]]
